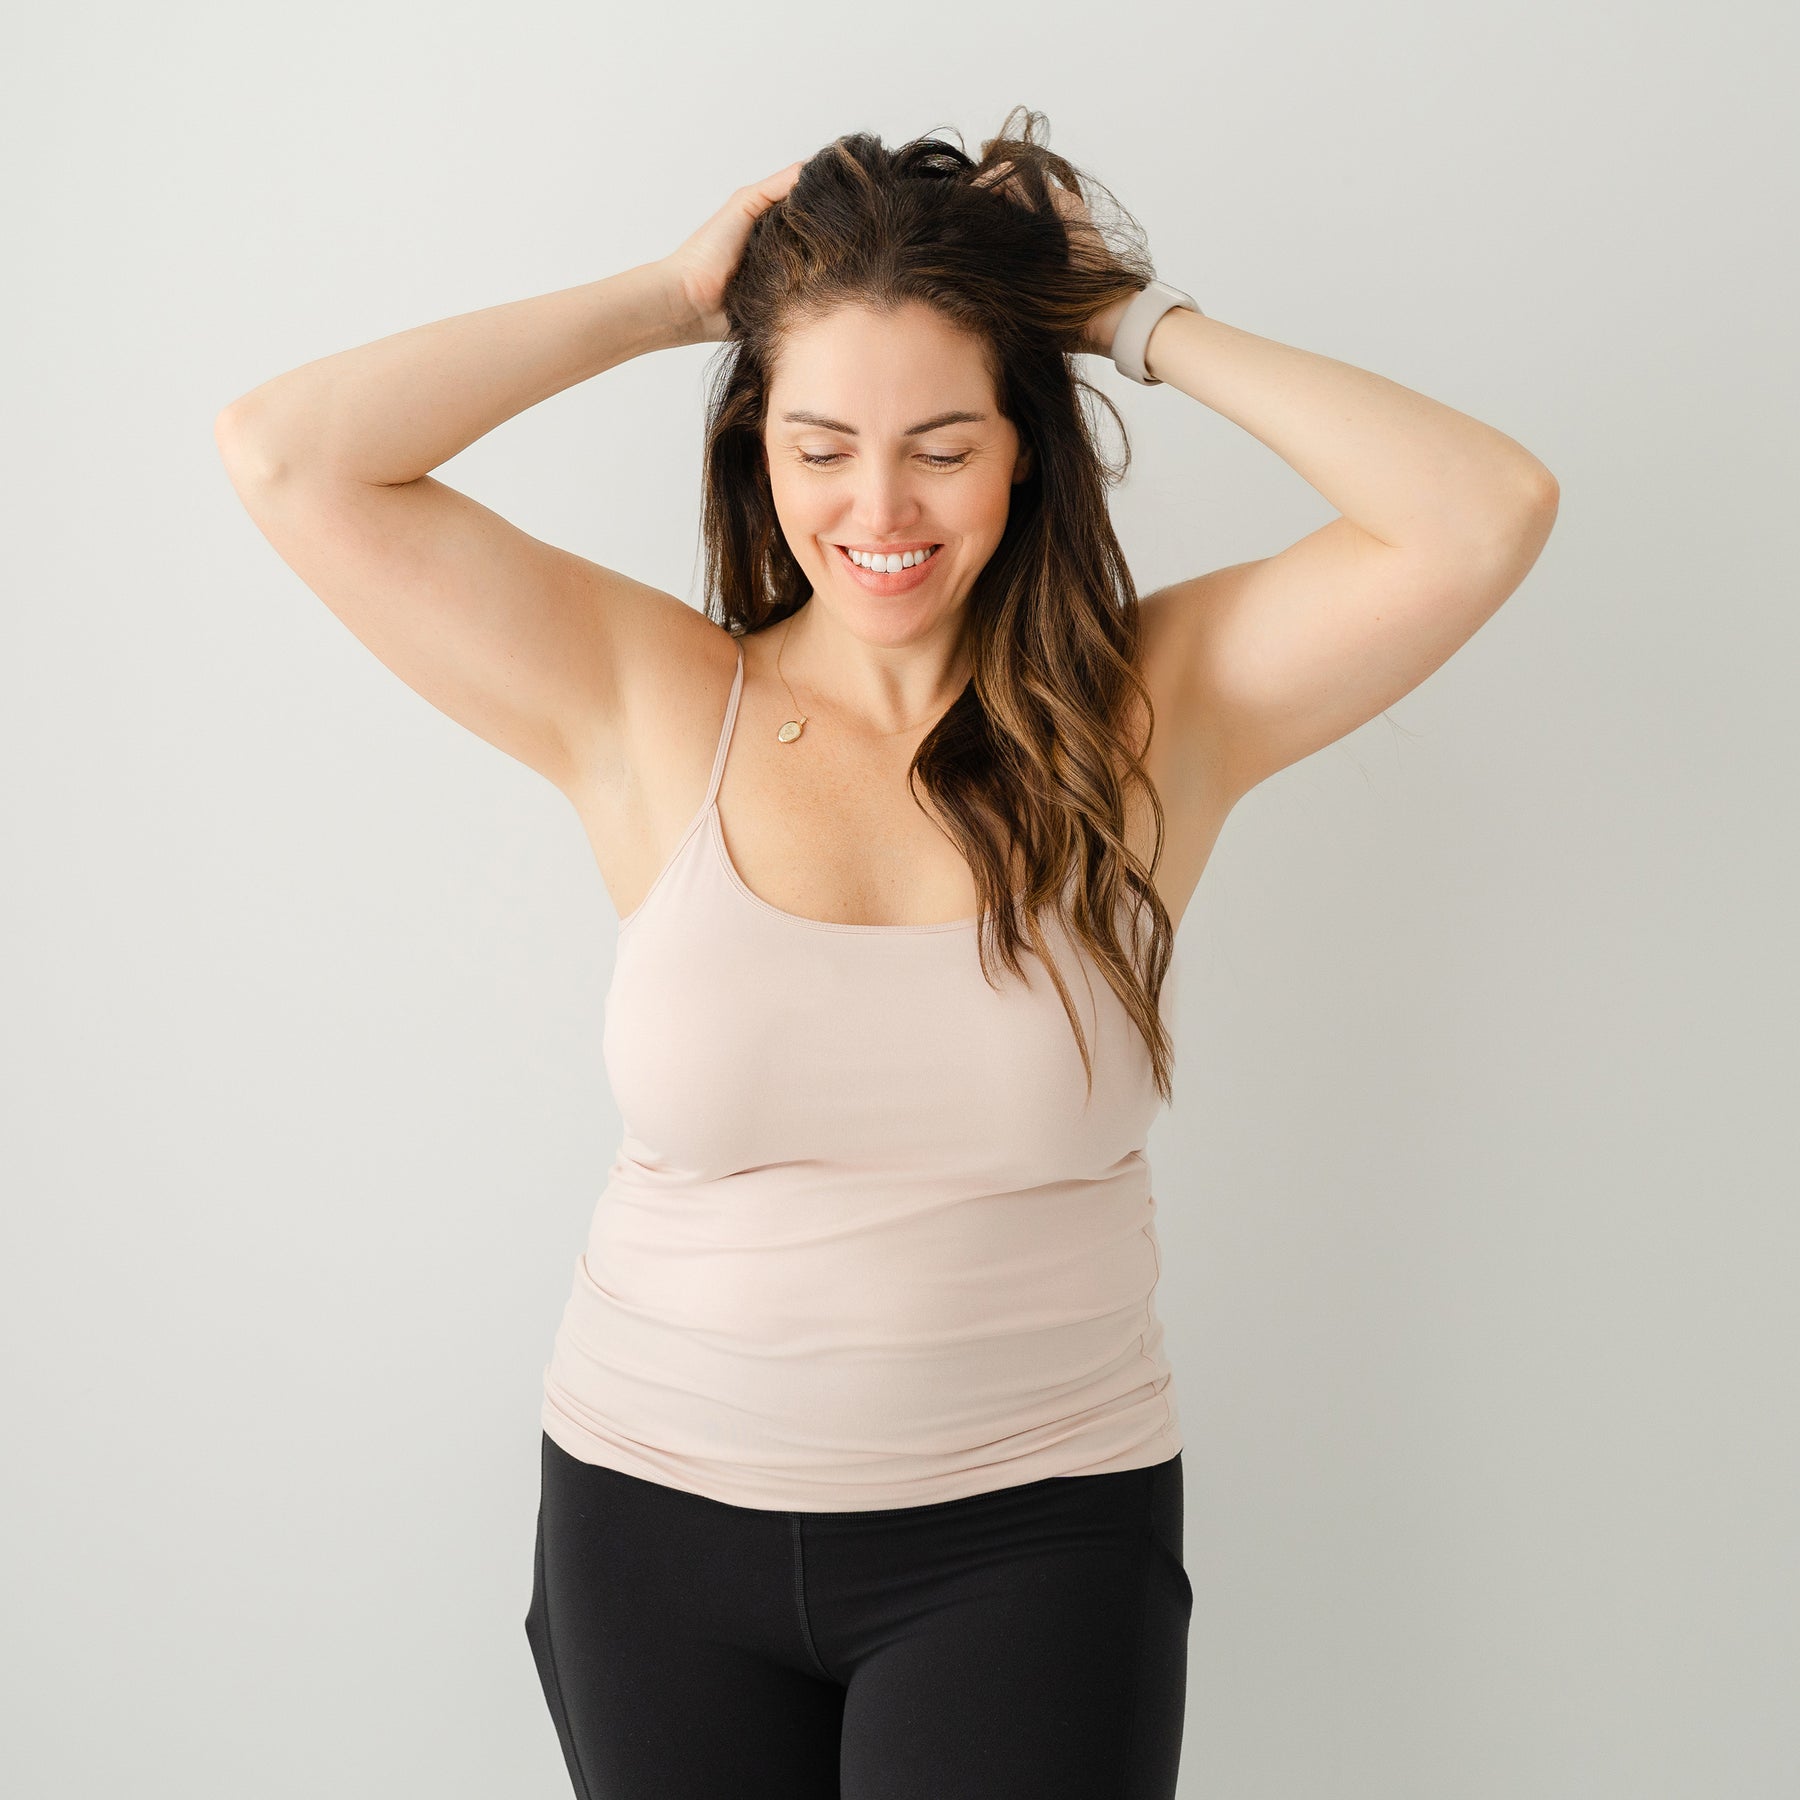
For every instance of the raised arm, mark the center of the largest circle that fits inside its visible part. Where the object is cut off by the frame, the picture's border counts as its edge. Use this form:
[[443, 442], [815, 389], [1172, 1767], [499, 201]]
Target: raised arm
[[1442, 518], [530, 647]]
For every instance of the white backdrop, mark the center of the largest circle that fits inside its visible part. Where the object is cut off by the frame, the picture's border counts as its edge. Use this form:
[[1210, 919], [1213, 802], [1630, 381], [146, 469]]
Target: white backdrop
[[1478, 1198]]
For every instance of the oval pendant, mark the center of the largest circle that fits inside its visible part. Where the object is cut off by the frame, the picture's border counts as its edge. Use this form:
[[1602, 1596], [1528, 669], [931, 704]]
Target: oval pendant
[[789, 731]]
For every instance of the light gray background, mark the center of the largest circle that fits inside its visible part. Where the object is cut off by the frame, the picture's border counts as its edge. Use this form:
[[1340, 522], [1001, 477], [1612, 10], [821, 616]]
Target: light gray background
[[1478, 1199]]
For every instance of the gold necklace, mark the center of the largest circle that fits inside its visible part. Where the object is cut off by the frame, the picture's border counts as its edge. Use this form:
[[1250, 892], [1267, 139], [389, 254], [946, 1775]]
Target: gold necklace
[[792, 728]]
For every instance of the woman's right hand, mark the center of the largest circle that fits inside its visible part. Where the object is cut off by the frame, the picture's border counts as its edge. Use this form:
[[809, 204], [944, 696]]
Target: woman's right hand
[[700, 269]]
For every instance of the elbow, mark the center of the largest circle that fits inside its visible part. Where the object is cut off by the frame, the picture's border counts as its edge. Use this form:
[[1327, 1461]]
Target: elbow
[[225, 431], [1527, 523], [247, 454], [1546, 496], [1541, 492]]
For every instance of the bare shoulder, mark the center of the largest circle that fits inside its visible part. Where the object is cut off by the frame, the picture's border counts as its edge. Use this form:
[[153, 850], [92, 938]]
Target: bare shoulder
[[1182, 758], [671, 667], [643, 768]]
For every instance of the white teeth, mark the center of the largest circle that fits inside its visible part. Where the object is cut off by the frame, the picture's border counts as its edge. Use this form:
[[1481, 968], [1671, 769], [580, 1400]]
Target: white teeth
[[890, 565]]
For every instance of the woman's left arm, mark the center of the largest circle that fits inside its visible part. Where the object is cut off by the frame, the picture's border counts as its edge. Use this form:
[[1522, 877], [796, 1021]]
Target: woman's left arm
[[1442, 517]]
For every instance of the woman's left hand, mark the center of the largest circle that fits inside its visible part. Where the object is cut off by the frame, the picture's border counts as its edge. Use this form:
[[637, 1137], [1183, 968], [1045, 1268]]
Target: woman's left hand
[[1098, 337], [1084, 244]]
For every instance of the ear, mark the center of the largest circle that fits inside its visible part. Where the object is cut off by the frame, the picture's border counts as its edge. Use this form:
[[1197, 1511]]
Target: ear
[[1022, 466]]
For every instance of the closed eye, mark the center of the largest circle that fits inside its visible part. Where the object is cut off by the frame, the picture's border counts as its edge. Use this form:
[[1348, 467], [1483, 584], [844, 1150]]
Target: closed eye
[[937, 462]]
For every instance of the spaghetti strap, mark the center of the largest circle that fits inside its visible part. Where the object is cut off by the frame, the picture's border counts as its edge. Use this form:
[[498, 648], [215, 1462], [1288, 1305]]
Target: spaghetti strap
[[731, 706]]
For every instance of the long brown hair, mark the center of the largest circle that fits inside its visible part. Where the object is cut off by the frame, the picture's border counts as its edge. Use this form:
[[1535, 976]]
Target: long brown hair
[[1030, 767]]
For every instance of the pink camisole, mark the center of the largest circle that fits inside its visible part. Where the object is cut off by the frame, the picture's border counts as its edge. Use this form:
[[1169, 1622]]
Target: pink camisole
[[866, 1242]]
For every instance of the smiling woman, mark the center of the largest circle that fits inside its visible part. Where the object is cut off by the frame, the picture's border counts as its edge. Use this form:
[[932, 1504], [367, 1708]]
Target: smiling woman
[[858, 1414], [899, 397]]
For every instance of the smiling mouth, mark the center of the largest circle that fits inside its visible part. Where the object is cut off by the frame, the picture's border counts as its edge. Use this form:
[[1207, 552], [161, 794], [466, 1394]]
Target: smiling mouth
[[844, 551]]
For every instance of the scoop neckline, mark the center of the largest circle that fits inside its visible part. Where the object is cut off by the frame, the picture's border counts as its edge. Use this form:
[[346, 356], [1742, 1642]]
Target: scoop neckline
[[716, 832]]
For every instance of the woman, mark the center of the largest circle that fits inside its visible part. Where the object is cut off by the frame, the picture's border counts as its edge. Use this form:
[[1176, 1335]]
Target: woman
[[861, 1464]]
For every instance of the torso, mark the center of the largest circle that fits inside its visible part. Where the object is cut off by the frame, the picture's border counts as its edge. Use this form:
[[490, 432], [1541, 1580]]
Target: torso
[[835, 833]]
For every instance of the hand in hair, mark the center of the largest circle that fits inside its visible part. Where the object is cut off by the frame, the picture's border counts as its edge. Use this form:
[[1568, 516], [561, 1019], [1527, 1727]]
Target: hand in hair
[[1085, 246], [705, 263]]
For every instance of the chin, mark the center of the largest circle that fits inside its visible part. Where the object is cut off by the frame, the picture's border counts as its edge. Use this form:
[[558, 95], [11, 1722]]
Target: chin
[[888, 623]]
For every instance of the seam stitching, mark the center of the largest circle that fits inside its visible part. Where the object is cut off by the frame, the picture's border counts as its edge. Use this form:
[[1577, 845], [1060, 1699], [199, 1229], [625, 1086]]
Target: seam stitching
[[1129, 1771], [562, 1704], [806, 1633], [1144, 1335]]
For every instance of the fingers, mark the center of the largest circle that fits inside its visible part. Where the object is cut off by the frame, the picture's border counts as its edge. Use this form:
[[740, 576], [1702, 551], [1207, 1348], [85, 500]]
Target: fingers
[[755, 199], [1067, 203], [772, 187]]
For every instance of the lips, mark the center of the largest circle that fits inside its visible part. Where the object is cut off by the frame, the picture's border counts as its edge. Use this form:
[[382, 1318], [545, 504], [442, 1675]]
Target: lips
[[900, 582], [885, 549]]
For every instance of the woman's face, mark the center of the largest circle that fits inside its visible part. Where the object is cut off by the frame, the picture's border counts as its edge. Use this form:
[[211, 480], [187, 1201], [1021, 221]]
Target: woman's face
[[851, 392]]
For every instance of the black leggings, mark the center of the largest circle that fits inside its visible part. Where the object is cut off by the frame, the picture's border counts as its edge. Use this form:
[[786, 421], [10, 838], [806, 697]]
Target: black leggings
[[1030, 1642]]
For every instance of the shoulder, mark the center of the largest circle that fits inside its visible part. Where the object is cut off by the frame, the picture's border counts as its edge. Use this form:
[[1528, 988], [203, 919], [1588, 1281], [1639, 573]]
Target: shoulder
[[1182, 755], [673, 681]]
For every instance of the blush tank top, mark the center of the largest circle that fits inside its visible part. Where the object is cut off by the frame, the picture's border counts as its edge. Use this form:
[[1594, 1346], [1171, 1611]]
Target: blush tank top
[[866, 1242]]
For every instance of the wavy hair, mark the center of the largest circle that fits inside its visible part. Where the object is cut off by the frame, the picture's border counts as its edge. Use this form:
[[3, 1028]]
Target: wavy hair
[[1030, 767]]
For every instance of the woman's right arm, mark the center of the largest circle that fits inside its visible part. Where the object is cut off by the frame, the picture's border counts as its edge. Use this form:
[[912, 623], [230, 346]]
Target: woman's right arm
[[526, 645]]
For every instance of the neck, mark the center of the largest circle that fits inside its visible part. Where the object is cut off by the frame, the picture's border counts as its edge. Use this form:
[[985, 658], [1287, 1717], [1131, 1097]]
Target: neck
[[880, 689]]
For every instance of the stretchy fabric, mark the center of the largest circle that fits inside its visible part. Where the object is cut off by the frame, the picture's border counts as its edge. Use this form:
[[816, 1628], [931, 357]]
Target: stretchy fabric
[[1026, 1644], [867, 1242]]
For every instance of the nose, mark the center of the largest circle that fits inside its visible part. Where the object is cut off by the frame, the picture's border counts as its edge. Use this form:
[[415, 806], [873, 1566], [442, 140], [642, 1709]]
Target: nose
[[886, 505]]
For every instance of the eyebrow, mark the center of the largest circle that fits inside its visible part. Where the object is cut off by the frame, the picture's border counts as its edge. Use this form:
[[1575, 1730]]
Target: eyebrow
[[948, 418]]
